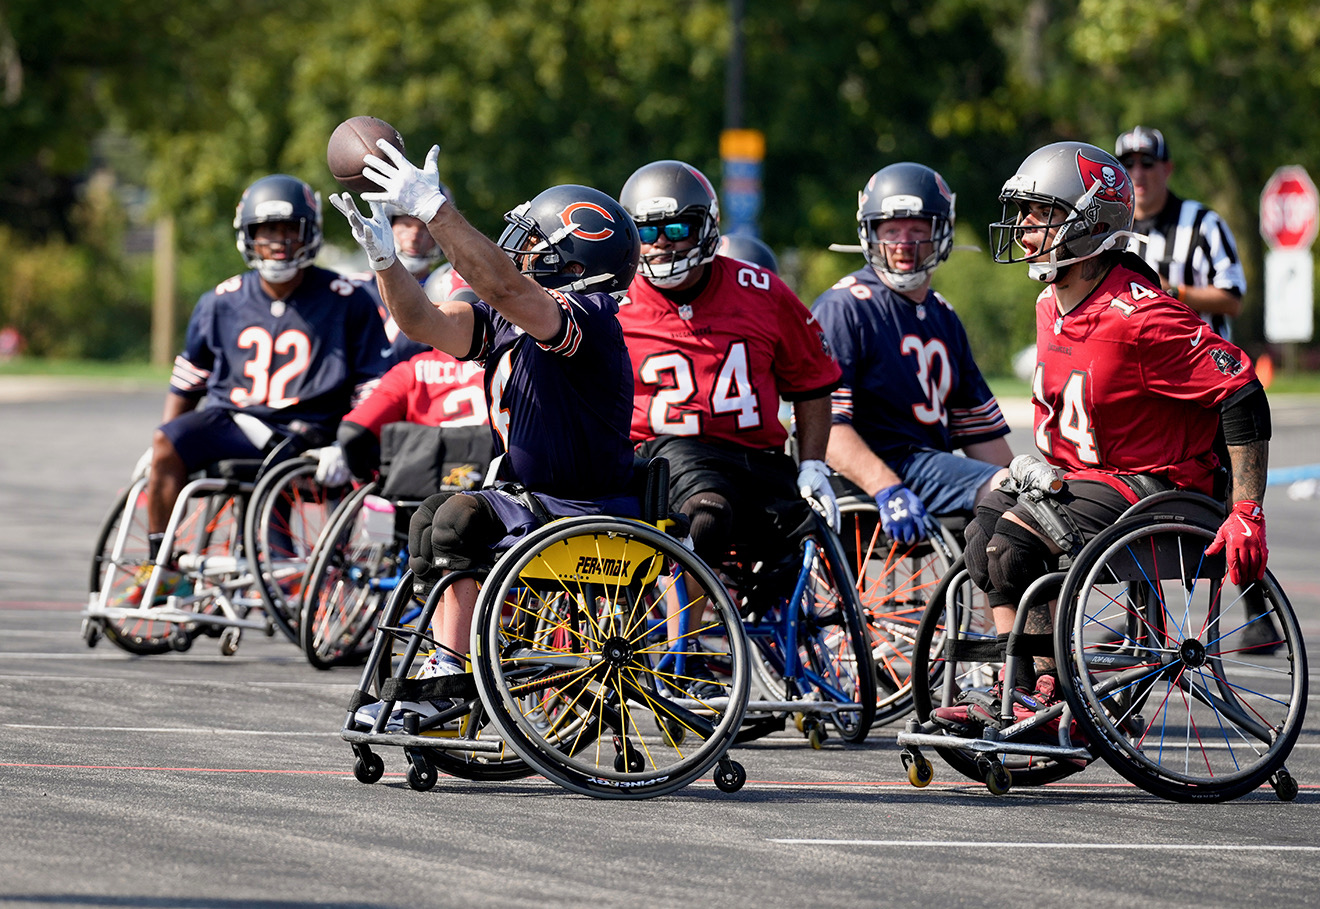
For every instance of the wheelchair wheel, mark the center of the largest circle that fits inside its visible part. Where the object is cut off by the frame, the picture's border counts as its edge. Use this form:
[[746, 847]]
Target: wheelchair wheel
[[894, 584], [285, 517], [353, 569], [833, 648], [576, 657], [1144, 632], [210, 527], [956, 651], [121, 548]]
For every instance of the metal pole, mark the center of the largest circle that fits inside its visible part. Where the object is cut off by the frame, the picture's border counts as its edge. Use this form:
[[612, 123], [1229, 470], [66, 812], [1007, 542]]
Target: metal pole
[[162, 297], [733, 75]]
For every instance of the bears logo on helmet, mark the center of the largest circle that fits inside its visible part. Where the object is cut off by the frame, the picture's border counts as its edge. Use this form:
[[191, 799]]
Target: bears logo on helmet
[[569, 218]]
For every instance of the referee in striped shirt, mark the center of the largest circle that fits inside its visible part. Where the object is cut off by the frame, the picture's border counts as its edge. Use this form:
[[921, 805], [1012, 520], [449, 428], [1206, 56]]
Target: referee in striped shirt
[[1189, 246]]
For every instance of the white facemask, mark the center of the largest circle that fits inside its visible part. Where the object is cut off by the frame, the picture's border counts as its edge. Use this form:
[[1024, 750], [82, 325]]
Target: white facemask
[[276, 271]]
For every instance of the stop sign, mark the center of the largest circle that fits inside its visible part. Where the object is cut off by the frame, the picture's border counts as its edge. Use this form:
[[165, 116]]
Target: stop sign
[[1289, 209]]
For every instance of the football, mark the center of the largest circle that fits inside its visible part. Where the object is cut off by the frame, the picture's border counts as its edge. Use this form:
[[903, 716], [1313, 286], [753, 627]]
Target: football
[[350, 142]]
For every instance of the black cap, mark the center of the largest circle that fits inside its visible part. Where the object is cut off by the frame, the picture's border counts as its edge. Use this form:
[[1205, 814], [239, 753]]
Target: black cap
[[1142, 140]]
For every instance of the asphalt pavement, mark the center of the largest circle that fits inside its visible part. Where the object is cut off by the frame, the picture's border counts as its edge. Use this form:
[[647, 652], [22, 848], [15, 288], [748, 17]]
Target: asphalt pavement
[[196, 780]]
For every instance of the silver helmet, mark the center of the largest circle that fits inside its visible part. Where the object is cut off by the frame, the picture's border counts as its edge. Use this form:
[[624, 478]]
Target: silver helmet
[[905, 190], [1089, 195], [667, 191]]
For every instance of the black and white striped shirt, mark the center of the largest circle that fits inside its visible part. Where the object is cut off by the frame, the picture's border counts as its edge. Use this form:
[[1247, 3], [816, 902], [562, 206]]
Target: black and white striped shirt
[[1190, 244]]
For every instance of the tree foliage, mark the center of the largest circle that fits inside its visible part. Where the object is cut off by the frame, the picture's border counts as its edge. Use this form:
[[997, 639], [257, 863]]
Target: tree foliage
[[201, 98]]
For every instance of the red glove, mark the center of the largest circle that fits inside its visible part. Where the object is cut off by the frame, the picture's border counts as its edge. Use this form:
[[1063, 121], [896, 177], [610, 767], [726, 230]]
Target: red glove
[[1242, 538]]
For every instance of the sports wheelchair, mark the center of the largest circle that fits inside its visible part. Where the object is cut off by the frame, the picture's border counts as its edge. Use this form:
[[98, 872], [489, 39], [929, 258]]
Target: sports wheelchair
[[1150, 682], [363, 553], [894, 582], [810, 656], [237, 541], [577, 670]]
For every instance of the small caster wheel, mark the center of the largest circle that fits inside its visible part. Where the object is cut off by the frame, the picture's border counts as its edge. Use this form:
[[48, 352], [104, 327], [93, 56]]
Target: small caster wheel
[[673, 731], [91, 632], [422, 774], [997, 779], [815, 731], [229, 641], [368, 768], [629, 761], [800, 721], [180, 640], [920, 772], [1285, 786], [729, 776]]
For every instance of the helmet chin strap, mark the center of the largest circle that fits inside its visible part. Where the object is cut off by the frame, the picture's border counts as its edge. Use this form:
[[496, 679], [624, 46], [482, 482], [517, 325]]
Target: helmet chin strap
[[277, 271], [1048, 272]]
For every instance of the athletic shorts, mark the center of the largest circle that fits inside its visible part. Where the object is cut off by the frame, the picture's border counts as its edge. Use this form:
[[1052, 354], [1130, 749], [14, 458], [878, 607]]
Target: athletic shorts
[[1091, 504], [202, 437], [760, 484], [945, 482], [507, 520]]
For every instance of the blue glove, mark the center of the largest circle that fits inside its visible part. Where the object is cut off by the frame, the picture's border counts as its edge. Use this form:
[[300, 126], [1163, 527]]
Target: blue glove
[[901, 514]]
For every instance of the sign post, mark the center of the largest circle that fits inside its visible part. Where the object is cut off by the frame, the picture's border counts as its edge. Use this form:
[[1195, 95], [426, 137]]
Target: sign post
[[1289, 221]]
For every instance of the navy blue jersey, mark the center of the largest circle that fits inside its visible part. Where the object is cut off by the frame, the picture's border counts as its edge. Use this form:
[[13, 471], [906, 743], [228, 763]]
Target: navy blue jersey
[[560, 408], [909, 380], [309, 358]]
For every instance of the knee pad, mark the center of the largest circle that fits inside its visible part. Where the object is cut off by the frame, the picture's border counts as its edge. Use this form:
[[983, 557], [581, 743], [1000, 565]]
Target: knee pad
[[419, 536], [711, 516], [978, 564], [463, 531], [1015, 557]]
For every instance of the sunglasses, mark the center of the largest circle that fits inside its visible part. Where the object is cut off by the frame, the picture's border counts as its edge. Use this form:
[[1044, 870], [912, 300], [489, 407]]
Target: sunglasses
[[1131, 161], [674, 231]]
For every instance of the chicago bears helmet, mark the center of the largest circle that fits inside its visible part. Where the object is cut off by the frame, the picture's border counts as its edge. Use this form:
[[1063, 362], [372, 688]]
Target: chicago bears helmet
[[570, 225], [905, 190], [666, 191], [279, 197], [1089, 195], [748, 249]]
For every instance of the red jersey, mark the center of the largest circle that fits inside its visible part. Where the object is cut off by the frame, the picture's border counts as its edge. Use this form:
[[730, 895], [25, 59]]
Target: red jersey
[[432, 389], [717, 368], [1130, 382]]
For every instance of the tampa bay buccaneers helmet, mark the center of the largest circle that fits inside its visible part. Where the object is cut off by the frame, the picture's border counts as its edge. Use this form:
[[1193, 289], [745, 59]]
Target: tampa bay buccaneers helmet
[[668, 191], [905, 190], [748, 249], [571, 225], [279, 197], [1089, 195]]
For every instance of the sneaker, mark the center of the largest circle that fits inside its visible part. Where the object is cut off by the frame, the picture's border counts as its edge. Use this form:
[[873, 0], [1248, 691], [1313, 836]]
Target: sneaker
[[1260, 638], [700, 682], [1047, 694], [434, 667], [171, 583], [971, 711]]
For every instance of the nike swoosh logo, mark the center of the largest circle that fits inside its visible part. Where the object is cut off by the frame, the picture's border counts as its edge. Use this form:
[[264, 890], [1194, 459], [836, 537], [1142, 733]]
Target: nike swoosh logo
[[1246, 528], [385, 352], [1197, 339]]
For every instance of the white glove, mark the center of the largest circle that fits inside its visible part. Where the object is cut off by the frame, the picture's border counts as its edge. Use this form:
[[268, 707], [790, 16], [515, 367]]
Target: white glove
[[814, 484], [143, 465], [331, 468], [415, 191], [373, 234]]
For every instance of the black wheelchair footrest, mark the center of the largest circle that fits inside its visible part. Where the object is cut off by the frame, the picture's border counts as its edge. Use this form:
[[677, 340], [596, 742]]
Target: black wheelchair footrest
[[461, 685]]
